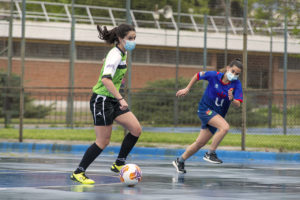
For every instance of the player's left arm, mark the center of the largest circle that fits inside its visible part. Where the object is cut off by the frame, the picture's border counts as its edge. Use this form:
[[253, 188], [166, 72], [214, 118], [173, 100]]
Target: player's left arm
[[236, 103], [235, 95]]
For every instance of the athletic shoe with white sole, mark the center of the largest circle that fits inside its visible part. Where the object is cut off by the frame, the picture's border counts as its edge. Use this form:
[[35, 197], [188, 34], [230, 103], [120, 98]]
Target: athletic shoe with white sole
[[212, 158], [179, 166]]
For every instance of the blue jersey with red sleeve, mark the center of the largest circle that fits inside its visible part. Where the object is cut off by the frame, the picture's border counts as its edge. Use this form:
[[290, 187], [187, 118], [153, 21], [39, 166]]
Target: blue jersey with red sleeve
[[216, 94]]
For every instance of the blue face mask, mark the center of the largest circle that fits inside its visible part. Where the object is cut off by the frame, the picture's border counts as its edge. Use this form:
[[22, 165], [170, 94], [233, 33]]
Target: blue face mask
[[129, 45], [231, 76]]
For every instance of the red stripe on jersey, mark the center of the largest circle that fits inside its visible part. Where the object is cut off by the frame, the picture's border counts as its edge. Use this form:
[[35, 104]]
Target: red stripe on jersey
[[198, 76]]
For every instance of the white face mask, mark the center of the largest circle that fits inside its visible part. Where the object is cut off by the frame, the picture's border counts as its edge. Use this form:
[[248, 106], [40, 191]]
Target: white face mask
[[231, 76]]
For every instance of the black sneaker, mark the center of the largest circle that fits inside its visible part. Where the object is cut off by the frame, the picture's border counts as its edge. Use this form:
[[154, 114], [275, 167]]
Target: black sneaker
[[212, 157], [179, 166]]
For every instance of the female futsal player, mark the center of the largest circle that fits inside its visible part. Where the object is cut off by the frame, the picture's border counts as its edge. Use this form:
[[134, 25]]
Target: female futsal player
[[107, 104], [222, 90]]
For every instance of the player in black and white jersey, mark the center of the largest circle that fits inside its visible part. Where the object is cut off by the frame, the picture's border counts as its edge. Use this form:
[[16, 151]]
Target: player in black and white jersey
[[108, 105]]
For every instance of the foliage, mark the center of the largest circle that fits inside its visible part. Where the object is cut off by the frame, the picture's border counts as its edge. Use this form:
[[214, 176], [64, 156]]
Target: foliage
[[160, 110], [258, 9], [294, 111], [254, 118], [12, 98], [160, 97]]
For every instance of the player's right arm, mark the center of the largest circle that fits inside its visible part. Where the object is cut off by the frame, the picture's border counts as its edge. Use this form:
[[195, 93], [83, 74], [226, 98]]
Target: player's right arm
[[186, 90], [111, 64]]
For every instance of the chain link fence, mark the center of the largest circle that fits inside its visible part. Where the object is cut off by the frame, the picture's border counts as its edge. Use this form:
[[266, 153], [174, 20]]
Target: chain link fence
[[154, 107], [171, 48]]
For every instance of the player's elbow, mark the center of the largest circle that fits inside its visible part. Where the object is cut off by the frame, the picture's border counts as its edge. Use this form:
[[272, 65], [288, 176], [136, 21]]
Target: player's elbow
[[237, 104], [105, 80], [196, 77]]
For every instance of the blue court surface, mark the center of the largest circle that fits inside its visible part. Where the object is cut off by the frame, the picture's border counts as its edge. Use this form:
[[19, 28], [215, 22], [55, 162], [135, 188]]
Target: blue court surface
[[36, 175]]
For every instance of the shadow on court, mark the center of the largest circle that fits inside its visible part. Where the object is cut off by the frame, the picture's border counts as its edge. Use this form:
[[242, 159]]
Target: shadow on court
[[46, 176]]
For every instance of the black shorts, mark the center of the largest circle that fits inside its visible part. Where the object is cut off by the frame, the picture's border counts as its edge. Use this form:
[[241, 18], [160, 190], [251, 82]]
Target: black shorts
[[105, 109]]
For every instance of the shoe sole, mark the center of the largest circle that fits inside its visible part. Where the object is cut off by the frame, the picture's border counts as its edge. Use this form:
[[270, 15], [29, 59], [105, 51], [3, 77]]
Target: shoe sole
[[208, 160], [174, 164]]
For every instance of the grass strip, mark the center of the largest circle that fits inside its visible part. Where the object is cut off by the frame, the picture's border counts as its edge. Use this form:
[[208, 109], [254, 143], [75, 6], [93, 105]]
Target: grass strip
[[279, 142]]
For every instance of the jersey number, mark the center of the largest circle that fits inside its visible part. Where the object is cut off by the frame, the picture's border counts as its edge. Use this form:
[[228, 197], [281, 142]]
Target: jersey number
[[217, 102]]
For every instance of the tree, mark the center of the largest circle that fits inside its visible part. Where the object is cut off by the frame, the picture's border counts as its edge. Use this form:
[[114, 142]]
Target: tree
[[259, 9], [154, 104], [12, 97]]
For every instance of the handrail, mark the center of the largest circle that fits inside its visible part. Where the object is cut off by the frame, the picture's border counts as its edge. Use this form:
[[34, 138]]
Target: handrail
[[109, 17]]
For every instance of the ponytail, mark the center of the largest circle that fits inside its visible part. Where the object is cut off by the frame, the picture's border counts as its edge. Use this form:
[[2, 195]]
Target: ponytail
[[222, 70], [236, 62], [114, 34], [109, 36]]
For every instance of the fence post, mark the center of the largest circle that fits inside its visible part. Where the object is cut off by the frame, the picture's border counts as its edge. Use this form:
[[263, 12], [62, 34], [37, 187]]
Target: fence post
[[245, 57], [70, 104], [22, 72], [7, 106], [177, 63], [285, 59], [129, 55], [226, 33], [127, 89], [204, 48], [270, 80]]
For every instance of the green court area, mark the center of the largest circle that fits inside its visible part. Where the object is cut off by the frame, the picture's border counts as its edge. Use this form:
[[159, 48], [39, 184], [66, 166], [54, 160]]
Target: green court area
[[281, 143]]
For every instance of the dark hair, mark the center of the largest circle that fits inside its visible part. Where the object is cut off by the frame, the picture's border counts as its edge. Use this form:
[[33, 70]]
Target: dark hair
[[112, 35], [236, 62]]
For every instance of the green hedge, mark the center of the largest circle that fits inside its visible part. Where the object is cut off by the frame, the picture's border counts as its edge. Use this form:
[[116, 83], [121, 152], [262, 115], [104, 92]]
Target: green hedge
[[154, 105], [12, 98]]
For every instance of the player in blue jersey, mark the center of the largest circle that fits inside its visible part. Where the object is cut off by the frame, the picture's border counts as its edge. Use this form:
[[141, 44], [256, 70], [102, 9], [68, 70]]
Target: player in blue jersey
[[223, 89]]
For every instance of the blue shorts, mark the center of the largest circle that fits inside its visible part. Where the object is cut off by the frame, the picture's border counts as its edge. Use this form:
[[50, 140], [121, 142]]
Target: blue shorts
[[205, 114]]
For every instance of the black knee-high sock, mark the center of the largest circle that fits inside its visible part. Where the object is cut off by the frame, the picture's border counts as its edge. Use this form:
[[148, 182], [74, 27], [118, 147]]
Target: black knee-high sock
[[90, 155], [127, 145]]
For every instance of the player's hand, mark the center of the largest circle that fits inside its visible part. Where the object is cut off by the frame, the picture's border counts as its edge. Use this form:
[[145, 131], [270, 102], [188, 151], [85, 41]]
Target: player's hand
[[230, 94], [182, 92], [123, 104]]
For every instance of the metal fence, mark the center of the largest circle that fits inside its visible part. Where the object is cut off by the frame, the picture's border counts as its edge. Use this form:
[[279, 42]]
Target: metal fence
[[154, 107]]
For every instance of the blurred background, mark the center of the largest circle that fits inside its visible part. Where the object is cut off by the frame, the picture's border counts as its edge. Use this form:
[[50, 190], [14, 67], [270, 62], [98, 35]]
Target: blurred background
[[51, 57]]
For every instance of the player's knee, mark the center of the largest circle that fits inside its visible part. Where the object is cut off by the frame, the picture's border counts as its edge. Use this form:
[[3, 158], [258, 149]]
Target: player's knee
[[137, 131], [226, 128], [102, 143]]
